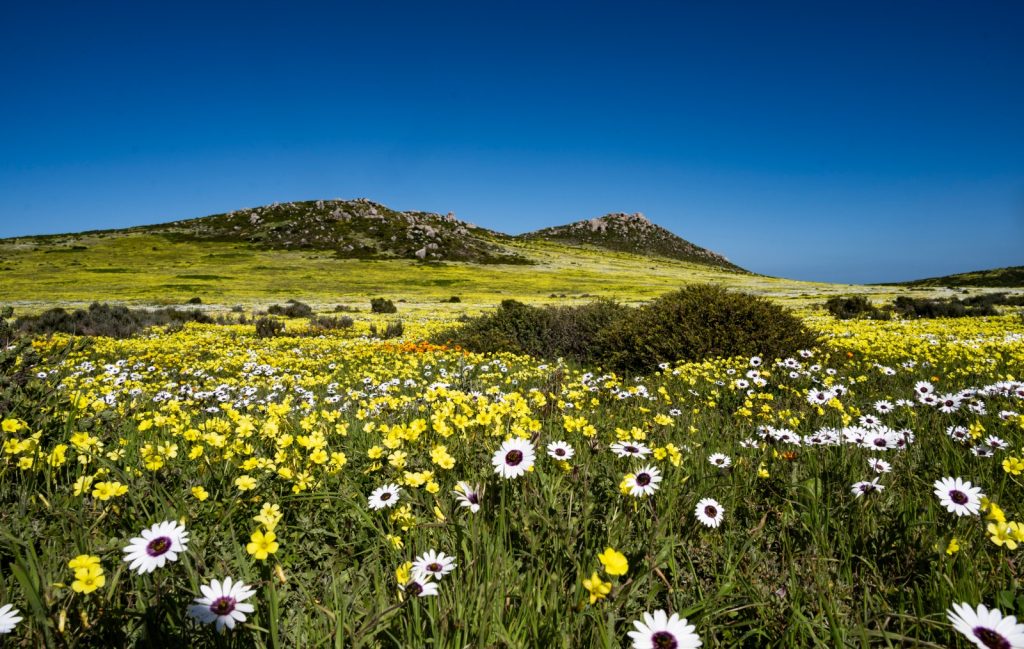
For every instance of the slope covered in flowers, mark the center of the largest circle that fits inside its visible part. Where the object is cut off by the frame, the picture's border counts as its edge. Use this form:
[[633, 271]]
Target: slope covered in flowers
[[394, 494]]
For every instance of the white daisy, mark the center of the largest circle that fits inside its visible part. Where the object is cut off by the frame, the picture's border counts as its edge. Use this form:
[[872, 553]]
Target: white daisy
[[418, 587], [709, 512], [468, 496], [755, 361], [949, 403], [156, 546], [9, 618], [879, 466], [924, 387], [987, 628], [659, 631], [958, 497], [630, 449], [386, 496], [432, 564], [644, 481], [861, 488], [222, 604], [561, 450], [720, 460], [514, 458]]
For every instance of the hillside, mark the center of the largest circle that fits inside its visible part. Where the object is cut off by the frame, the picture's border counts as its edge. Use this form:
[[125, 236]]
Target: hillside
[[1011, 276], [632, 233], [356, 229]]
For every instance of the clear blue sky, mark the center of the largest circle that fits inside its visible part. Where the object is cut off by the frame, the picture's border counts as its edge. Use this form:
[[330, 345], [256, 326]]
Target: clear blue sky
[[859, 141]]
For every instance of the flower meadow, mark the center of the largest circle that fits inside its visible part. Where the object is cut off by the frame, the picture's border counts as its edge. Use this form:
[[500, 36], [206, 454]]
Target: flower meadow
[[205, 487]]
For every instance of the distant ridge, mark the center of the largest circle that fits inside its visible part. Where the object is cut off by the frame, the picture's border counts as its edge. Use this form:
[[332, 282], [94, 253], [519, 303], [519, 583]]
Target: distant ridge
[[631, 233], [1009, 276], [363, 229]]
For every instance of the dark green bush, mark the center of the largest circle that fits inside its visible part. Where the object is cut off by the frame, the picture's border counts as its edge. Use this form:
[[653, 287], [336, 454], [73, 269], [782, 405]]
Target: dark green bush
[[291, 309], [112, 321], [910, 308], [548, 332], [267, 327], [381, 305], [393, 329], [845, 308], [692, 324], [699, 322], [455, 299], [195, 300], [328, 322]]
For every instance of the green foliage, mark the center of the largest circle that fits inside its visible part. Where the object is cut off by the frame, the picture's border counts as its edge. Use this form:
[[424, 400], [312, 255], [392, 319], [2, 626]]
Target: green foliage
[[909, 307], [382, 305], [267, 327], [113, 321], [291, 309], [701, 322], [329, 322], [547, 332], [846, 308]]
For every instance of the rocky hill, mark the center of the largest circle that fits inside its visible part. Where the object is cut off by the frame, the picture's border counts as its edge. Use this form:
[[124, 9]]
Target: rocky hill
[[631, 233], [357, 228], [1010, 276]]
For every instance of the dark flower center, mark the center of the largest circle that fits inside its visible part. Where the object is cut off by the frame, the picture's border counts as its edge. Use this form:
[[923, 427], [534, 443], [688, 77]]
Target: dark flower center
[[958, 497], [664, 640], [631, 449], [386, 495], [879, 441], [473, 498], [222, 605], [513, 458], [435, 567], [159, 545], [414, 589], [991, 639], [643, 479], [710, 511], [559, 452]]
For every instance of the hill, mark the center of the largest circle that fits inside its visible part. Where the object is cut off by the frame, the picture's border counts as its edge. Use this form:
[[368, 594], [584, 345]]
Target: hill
[[1010, 276], [632, 233], [356, 229]]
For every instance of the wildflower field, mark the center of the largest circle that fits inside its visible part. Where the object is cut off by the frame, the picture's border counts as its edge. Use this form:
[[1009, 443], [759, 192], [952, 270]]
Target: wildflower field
[[206, 487]]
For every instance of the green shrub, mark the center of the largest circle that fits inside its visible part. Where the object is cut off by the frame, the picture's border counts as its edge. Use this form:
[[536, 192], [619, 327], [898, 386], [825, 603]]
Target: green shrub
[[328, 322], [113, 321], [393, 329], [845, 308], [910, 308], [381, 305], [291, 309], [267, 327], [548, 332], [699, 322]]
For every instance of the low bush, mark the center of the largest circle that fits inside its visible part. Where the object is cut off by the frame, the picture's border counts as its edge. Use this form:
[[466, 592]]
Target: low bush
[[846, 308], [910, 308], [267, 327], [381, 305], [328, 322], [701, 322], [691, 324], [291, 309], [393, 329], [112, 321]]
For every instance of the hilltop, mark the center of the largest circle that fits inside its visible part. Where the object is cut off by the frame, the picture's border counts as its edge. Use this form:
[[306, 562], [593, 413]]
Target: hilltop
[[356, 229], [632, 233], [1010, 276]]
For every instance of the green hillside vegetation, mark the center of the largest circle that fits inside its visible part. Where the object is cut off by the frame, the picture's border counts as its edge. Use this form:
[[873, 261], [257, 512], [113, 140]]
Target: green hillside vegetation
[[1010, 276], [632, 233]]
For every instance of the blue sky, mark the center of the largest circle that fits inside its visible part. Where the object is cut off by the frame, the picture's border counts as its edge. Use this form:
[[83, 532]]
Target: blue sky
[[860, 142]]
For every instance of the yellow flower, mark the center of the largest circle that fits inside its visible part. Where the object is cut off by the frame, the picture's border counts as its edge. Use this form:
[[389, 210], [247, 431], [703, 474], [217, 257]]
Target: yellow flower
[[1002, 534], [108, 490], [1013, 465], [396, 541], [245, 483], [598, 589], [614, 562], [11, 425], [262, 545], [953, 547], [624, 487], [269, 516], [84, 561], [403, 572], [82, 484], [200, 493], [88, 579]]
